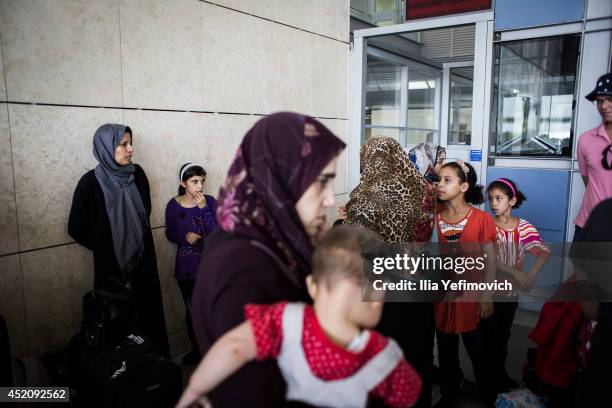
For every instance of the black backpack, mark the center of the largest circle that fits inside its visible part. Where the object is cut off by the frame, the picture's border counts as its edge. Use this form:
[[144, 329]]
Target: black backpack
[[109, 314]]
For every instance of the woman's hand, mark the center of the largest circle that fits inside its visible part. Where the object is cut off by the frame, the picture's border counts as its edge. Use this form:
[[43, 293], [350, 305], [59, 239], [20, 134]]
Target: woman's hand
[[192, 237]]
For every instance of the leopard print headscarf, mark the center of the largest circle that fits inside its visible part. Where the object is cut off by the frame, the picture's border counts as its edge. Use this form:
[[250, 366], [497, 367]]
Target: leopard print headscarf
[[392, 199]]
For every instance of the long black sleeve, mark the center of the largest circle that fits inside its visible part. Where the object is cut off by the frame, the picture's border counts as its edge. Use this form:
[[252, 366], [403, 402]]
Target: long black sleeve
[[80, 223], [142, 183]]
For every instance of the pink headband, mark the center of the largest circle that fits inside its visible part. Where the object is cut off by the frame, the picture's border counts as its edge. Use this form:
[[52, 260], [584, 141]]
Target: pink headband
[[506, 182]]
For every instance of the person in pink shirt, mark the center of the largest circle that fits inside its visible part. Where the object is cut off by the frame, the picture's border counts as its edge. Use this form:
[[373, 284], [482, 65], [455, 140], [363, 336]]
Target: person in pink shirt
[[595, 153]]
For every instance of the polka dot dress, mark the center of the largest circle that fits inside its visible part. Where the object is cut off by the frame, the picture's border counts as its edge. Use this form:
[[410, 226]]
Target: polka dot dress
[[327, 360]]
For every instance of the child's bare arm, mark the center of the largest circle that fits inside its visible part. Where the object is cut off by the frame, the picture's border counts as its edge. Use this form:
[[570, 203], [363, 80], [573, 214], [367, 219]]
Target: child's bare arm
[[542, 260], [234, 349], [535, 269]]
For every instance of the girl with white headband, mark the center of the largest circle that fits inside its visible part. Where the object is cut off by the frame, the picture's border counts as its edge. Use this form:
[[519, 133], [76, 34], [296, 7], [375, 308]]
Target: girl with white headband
[[190, 218]]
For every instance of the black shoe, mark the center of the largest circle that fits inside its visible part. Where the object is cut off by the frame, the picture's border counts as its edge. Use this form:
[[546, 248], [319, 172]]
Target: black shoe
[[191, 358]]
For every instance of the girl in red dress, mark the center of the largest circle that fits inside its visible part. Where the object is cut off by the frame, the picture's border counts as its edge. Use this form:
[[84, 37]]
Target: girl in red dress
[[464, 230]]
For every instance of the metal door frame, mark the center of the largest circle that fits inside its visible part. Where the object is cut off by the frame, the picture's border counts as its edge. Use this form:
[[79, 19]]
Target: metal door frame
[[483, 50]]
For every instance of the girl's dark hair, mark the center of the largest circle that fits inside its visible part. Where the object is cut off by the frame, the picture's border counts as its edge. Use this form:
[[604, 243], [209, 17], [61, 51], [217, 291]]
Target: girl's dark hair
[[191, 171], [474, 193], [505, 188]]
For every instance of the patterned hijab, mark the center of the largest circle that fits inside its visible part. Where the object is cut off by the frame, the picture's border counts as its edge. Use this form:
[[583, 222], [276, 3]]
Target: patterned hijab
[[278, 160], [425, 156], [124, 207], [392, 198]]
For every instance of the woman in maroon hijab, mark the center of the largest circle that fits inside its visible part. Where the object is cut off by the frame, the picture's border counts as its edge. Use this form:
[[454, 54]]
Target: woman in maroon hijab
[[271, 214]]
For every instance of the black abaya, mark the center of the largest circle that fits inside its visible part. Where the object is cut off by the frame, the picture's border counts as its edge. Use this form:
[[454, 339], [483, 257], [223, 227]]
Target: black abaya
[[89, 225]]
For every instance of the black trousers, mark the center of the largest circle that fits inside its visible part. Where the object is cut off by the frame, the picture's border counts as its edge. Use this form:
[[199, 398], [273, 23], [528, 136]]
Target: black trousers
[[577, 232], [502, 320], [479, 346], [147, 295], [186, 286], [411, 325]]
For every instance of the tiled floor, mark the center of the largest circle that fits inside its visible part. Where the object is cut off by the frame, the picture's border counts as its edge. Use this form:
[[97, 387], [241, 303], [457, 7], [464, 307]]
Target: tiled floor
[[524, 322]]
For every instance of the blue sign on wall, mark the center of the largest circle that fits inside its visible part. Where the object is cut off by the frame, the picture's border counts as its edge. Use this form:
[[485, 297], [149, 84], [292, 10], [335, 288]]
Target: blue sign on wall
[[475, 155]]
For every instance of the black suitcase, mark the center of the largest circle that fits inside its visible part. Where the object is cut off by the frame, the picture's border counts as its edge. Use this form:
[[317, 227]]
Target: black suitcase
[[132, 374]]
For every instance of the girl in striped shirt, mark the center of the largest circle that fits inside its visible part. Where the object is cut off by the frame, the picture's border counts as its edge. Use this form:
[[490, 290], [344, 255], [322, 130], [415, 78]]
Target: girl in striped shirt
[[515, 238]]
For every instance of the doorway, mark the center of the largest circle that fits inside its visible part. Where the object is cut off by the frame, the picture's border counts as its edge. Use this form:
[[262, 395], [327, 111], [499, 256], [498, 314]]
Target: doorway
[[424, 81]]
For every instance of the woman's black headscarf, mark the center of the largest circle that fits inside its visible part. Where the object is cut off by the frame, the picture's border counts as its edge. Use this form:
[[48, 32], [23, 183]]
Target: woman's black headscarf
[[279, 158]]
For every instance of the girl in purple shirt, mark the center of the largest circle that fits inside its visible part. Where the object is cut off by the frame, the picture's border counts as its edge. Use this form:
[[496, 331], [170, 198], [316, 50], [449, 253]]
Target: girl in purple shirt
[[190, 218]]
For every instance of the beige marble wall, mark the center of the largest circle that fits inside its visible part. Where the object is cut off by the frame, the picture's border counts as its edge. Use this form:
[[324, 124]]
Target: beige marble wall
[[340, 129], [329, 18], [189, 77], [285, 68], [161, 49], [9, 239], [174, 306], [52, 149], [180, 136], [65, 52], [2, 83], [54, 281]]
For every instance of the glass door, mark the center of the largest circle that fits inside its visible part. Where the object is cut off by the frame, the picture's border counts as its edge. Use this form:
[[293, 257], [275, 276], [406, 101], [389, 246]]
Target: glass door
[[423, 81], [402, 99]]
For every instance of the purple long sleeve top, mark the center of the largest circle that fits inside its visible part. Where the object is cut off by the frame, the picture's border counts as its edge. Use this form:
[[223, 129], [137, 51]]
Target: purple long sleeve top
[[180, 221]]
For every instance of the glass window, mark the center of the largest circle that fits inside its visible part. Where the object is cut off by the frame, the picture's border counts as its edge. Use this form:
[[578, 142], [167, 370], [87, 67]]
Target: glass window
[[384, 5], [378, 12], [533, 96], [512, 14], [383, 98], [383, 132], [421, 118], [402, 101], [383, 23], [460, 115], [383, 92]]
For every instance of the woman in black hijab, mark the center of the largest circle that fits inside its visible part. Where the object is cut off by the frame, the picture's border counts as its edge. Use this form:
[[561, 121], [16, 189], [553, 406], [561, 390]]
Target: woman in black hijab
[[271, 214], [110, 216]]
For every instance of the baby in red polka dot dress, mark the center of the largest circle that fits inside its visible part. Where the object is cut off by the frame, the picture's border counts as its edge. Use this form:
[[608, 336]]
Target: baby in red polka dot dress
[[326, 352]]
